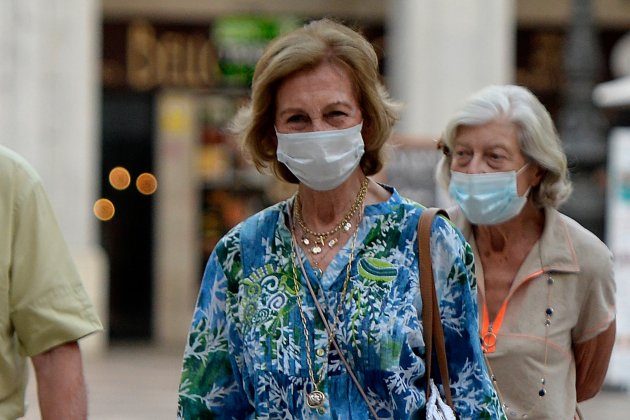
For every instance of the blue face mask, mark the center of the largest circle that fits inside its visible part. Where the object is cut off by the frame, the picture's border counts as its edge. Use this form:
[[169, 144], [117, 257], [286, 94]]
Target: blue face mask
[[488, 198]]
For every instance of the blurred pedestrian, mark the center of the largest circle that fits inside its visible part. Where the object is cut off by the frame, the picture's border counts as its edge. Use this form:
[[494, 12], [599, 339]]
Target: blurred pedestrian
[[546, 286], [44, 309]]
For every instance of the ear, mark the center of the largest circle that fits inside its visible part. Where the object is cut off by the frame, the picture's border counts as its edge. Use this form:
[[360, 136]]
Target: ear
[[367, 130], [538, 174]]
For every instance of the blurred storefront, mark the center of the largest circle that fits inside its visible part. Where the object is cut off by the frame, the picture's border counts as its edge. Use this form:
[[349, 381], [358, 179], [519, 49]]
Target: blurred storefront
[[173, 74], [170, 88]]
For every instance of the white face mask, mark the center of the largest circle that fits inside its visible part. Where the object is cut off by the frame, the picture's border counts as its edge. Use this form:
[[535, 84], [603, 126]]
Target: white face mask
[[321, 160], [489, 198]]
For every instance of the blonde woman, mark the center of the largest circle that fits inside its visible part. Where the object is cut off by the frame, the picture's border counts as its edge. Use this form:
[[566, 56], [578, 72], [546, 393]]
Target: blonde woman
[[310, 307]]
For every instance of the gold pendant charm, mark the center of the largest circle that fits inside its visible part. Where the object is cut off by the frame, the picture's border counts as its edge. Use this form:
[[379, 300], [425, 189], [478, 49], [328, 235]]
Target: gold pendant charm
[[305, 241], [315, 399], [332, 242], [316, 249], [347, 226]]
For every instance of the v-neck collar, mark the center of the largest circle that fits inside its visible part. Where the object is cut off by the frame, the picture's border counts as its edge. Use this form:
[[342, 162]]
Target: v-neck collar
[[331, 275], [553, 252]]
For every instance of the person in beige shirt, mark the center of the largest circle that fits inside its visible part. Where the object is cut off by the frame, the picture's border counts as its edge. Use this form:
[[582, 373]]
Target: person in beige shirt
[[545, 284], [44, 309]]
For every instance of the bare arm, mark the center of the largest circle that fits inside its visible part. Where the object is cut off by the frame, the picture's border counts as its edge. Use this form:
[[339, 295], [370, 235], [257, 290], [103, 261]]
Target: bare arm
[[591, 363], [60, 384]]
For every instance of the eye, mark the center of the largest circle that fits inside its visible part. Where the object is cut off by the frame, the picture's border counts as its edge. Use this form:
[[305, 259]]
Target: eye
[[461, 157], [336, 117], [460, 153], [496, 157], [297, 118], [336, 114]]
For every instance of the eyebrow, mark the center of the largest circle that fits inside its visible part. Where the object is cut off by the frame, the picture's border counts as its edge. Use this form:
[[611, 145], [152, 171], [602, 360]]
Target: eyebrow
[[291, 111], [493, 145]]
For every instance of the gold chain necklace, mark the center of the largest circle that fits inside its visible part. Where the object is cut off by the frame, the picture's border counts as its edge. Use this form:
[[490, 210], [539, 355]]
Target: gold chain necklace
[[322, 239], [315, 398], [542, 391], [315, 258]]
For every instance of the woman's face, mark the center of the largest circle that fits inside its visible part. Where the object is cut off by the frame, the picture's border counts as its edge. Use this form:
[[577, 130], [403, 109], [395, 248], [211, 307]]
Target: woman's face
[[492, 147], [317, 99]]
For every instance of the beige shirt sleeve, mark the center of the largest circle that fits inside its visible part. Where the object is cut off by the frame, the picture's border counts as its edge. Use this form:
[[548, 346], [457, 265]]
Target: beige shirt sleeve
[[598, 303], [49, 305]]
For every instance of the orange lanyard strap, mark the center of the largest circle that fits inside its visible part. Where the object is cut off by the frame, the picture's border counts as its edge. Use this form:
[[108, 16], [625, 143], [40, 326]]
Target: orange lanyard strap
[[489, 330]]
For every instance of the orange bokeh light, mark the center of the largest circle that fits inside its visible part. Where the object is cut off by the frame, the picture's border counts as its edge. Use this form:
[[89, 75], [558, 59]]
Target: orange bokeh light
[[146, 183], [119, 178], [104, 209]]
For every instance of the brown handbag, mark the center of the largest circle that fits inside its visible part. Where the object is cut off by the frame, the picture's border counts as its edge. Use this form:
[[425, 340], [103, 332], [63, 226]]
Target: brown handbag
[[433, 332]]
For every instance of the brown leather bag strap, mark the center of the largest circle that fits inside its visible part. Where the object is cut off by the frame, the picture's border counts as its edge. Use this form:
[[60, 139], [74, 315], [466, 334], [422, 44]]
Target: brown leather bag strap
[[432, 324]]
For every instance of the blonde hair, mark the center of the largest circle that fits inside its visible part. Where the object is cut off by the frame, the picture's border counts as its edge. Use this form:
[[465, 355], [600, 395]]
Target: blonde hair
[[317, 42], [538, 138]]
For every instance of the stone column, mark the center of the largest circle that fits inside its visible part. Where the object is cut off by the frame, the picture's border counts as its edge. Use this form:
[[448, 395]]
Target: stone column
[[48, 113], [439, 52], [581, 125], [177, 215]]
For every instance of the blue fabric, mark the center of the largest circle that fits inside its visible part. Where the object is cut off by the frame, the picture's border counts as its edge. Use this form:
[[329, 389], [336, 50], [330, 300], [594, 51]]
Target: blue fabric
[[246, 356]]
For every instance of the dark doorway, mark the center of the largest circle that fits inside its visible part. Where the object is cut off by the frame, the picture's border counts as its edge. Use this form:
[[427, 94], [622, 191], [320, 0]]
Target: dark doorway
[[127, 141]]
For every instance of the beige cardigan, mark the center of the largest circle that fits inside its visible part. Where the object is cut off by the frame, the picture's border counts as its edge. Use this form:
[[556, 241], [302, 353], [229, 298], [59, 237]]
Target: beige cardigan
[[582, 299]]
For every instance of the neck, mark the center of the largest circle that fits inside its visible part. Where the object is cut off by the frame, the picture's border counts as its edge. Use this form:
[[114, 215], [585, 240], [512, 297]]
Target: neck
[[526, 226], [323, 209]]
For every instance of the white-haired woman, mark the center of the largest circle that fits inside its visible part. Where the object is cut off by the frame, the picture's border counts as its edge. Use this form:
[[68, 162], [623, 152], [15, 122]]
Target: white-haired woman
[[546, 286]]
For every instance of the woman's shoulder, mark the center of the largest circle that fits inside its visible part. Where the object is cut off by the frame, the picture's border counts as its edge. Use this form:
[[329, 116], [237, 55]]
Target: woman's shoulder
[[396, 200], [397, 209], [257, 225], [585, 242], [405, 204]]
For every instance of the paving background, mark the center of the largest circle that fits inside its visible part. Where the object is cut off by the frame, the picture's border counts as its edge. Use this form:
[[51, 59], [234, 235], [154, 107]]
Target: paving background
[[138, 382]]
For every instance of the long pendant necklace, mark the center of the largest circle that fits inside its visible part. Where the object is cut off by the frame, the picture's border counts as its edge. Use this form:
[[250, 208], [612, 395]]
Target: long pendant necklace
[[315, 398], [318, 240], [489, 342]]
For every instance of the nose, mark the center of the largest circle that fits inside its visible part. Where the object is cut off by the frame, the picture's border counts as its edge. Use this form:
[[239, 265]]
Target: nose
[[476, 165], [319, 124]]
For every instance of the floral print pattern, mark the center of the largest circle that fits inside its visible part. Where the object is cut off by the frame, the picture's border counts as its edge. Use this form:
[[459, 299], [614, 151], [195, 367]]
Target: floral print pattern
[[246, 355]]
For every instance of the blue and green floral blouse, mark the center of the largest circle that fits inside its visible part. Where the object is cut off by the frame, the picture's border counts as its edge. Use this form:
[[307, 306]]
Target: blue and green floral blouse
[[246, 356]]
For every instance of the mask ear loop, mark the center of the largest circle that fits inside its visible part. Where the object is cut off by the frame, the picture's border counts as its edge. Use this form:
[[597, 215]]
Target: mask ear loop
[[522, 169], [526, 192], [517, 174]]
